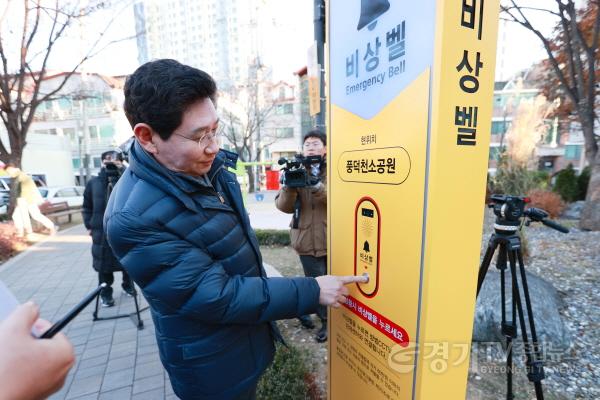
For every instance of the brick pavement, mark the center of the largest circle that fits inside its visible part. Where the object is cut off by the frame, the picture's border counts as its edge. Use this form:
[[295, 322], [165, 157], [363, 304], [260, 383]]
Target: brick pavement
[[114, 360]]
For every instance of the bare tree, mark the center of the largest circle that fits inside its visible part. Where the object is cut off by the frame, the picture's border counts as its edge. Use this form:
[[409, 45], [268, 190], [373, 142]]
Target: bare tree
[[244, 118], [573, 57], [43, 25]]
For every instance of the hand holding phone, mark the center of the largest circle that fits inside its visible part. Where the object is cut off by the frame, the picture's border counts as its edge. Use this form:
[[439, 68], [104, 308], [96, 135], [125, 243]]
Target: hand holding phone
[[31, 368]]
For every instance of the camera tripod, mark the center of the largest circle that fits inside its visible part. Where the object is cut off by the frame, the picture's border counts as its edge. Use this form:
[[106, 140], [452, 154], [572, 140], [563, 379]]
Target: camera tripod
[[134, 316], [506, 238], [113, 174]]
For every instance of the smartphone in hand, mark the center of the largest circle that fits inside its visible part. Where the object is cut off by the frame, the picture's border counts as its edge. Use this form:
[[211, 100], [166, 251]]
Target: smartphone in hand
[[54, 329]]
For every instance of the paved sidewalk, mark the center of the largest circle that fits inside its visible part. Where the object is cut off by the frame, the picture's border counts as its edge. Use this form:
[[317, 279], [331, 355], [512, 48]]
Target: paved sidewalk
[[115, 360], [264, 214]]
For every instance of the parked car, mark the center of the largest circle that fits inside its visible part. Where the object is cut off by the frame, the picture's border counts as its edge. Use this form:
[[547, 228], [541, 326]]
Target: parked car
[[4, 199], [5, 182], [73, 195]]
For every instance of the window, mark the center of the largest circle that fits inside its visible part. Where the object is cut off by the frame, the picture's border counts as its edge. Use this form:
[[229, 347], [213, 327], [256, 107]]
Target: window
[[499, 127], [64, 103], [95, 100], [97, 162], [43, 106], [287, 154], [93, 132], [107, 131], [284, 109], [76, 162], [45, 131], [500, 100], [68, 192], [70, 133], [549, 134], [495, 152], [284, 132], [573, 152]]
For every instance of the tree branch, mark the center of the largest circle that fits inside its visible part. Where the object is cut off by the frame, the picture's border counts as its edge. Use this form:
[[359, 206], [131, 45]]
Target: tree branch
[[559, 74], [545, 10]]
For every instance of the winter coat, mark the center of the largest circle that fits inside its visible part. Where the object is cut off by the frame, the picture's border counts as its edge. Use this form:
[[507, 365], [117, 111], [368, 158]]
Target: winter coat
[[95, 198], [310, 237], [26, 189], [188, 244]]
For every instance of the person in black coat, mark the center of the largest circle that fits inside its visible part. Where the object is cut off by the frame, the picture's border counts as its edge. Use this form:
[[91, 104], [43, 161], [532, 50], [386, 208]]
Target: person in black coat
[[95, 198]]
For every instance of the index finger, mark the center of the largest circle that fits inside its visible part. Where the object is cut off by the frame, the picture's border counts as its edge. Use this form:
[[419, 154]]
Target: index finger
[[353, 279]]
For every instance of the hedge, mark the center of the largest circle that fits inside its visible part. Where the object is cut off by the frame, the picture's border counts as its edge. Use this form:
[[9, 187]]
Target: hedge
[[273, 237]]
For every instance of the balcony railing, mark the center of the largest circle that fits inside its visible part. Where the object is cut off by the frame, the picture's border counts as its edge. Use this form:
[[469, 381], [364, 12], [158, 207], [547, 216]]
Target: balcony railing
[[73, 113]]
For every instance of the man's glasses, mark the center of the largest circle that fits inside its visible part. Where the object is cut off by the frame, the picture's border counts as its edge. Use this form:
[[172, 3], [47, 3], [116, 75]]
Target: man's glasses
[[205, 139]]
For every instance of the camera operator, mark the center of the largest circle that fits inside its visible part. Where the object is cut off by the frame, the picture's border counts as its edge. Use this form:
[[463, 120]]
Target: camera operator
[[95, 198], [309, 225]]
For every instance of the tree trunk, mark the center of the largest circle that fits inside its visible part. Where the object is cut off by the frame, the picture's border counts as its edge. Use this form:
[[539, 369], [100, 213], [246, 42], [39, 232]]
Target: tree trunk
[[250, 172], [590, 215], [16, 157]]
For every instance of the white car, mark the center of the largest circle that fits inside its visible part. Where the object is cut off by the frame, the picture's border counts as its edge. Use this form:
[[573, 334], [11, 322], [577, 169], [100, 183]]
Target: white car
[[73, 195]]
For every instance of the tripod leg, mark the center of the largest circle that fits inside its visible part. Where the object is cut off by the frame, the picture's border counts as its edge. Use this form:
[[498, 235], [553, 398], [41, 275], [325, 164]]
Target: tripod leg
[[485, 264], [140, 323], [95, 313], [508, 328], [536, 369], [533, 366]]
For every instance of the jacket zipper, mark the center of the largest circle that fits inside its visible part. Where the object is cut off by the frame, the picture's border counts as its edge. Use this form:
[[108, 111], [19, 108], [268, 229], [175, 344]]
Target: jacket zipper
[[221, 199]]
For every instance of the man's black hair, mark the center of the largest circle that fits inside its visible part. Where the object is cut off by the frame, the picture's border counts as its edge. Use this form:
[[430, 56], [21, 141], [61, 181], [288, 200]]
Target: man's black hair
[[315, 133], [160, 91]]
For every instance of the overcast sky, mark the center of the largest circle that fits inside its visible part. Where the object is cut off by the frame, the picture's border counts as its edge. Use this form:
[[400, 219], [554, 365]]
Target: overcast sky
[[517, 48]]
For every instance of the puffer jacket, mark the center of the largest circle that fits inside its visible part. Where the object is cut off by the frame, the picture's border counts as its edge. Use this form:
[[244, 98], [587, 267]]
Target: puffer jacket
[[94, 203], [310, 237], [26, 189], [191, 250]]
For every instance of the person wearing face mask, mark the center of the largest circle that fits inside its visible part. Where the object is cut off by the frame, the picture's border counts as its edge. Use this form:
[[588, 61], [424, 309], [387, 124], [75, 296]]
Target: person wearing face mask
[[309, 231], [95, 198]]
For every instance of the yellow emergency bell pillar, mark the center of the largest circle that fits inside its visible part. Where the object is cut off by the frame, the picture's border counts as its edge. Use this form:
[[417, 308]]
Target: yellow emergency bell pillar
[[410, 99]]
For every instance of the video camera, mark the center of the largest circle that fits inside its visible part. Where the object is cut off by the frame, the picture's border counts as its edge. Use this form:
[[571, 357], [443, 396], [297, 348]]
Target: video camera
[[113, 171], [295, 173], [510, 209]]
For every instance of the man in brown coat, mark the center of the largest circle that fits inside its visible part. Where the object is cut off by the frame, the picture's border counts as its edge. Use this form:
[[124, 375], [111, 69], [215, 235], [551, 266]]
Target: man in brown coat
[[309, 232]]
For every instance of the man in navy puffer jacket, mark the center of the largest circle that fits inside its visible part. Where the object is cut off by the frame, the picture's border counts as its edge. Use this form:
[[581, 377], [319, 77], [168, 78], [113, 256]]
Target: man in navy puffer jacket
[[177, 224]]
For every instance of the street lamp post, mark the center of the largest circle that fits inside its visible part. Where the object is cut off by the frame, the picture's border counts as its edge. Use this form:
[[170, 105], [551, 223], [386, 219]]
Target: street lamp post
[[83, 137], [319, 23], [86, 142], [79, 140]]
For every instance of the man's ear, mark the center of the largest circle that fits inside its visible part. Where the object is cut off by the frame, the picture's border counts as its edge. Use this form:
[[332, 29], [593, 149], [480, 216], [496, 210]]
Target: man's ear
[[145, 136]]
